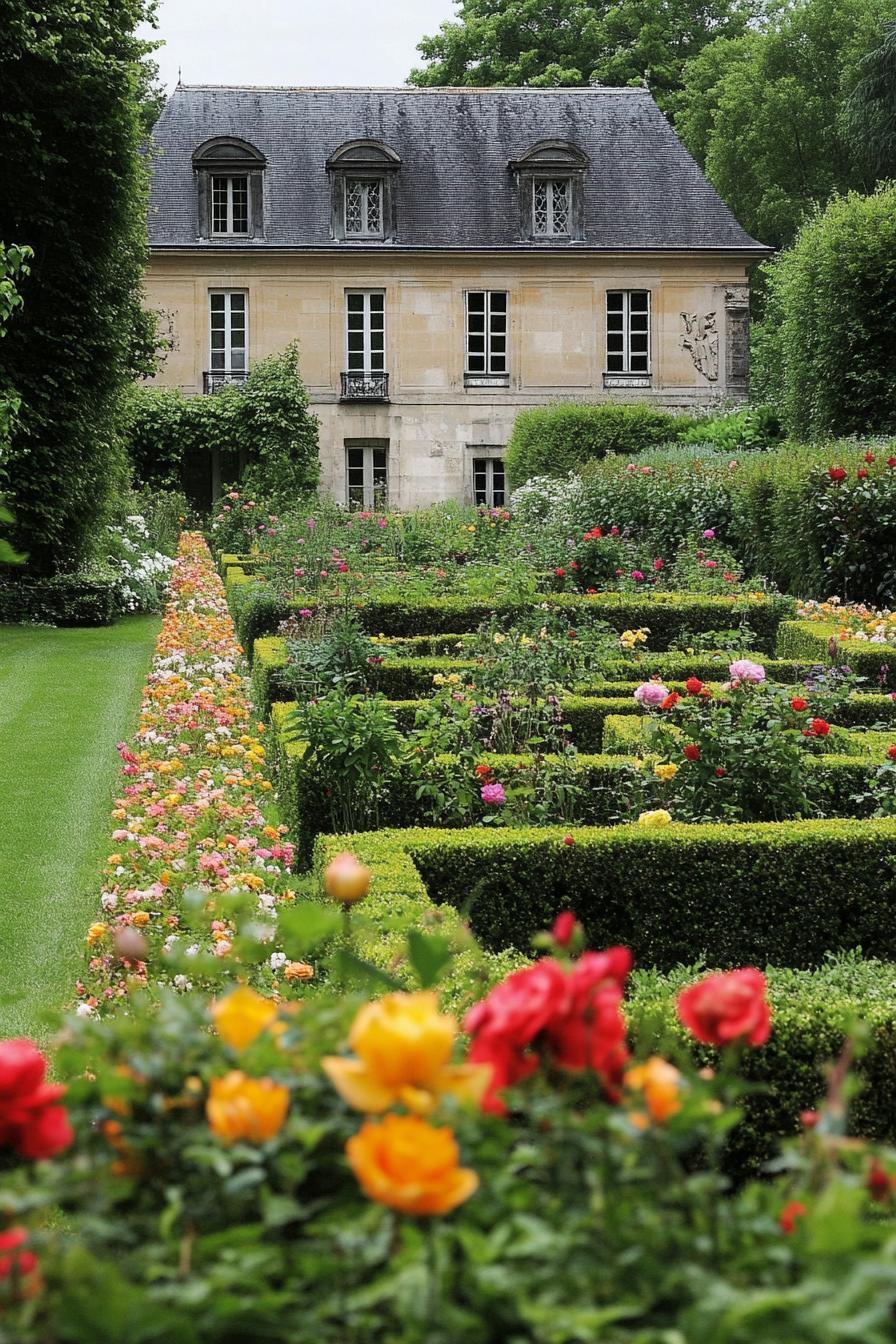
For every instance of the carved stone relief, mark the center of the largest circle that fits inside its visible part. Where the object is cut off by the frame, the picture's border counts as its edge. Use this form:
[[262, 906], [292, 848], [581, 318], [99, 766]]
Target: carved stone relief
[[737, 326], [700, 336]]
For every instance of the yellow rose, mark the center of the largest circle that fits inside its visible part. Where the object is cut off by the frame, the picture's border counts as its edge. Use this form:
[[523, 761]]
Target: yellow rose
[[403, 1047], [408, 1165], [252, 1109], [660, 817], [661, 1083], [242, 1016], [665, 770], [96, 932]]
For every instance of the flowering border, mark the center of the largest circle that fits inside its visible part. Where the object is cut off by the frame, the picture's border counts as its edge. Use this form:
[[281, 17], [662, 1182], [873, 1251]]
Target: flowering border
[[190, 808]]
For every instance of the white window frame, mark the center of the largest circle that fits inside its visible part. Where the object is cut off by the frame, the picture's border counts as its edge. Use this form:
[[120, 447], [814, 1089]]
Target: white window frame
[[627, 333], [229, 231], [551, 183], [365, 182], [370, 502], [490, 458], [228, 295], [367, 329], [488, 355]]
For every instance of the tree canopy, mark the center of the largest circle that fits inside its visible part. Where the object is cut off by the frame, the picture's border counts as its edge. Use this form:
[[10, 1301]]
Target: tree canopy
[[544, 43]]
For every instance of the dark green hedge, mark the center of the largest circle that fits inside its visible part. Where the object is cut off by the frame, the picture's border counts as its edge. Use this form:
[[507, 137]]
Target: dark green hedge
[[809, 640], [813, 1012], [784, 893], [554, 440], [64, 599], [258, 611]]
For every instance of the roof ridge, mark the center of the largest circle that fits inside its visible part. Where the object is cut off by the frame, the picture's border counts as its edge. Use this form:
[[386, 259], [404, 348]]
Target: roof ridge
[[400, 88]]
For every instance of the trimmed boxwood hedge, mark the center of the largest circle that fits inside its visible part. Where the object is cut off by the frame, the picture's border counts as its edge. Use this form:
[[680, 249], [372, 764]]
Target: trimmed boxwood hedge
[[809, 640], [258, 611], [813, 1010], [62, 599]]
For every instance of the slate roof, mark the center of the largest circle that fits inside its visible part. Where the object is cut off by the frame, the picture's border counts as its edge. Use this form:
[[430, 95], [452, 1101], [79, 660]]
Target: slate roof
[[642, 191]]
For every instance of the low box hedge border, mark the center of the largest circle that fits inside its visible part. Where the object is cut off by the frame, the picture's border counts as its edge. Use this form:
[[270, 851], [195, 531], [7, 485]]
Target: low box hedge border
[[809, 639], [258, 611], [62, 599], [813, 1009]]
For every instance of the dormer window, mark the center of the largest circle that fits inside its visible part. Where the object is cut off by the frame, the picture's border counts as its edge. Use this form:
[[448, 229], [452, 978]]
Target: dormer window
[[230, 189], [550, 177], [364, 207], [551, 206], [362, 175]]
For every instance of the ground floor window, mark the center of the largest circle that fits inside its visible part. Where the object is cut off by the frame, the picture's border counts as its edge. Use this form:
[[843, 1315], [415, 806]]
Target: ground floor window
[[628, 331], [488, 482], [367, 474]]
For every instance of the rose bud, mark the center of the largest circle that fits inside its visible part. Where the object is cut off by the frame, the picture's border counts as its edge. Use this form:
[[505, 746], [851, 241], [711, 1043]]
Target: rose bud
[[346, 880]]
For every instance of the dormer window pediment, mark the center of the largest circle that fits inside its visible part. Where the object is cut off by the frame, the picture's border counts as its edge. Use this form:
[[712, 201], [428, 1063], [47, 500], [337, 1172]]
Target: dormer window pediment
[[361, 189]]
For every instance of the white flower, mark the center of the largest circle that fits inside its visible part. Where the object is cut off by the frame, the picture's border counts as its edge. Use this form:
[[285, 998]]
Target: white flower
[[109, 900], [181, 982], [192, 950], [278, 960], [84, 1010]]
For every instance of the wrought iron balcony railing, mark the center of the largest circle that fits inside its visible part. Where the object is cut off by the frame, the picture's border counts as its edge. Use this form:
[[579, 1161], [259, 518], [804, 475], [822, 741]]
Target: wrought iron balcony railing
[[216, 379], [365, 387]]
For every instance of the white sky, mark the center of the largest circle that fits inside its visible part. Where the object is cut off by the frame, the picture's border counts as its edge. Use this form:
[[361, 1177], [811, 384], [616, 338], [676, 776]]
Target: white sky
[[294, 41]]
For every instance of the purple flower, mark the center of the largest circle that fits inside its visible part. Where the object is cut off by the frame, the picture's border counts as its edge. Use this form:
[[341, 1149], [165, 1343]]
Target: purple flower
[[744, 670], [306, 612], [493, 793], [709, 534], [651, 693], [311, 524]]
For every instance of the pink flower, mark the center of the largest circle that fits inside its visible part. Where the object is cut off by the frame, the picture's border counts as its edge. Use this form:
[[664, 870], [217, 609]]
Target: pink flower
[[637, 576], [631, 468], [658, 565], [299, 573], [305, 612], [650, 694], [709, 534], [493, 794], [744, 670]]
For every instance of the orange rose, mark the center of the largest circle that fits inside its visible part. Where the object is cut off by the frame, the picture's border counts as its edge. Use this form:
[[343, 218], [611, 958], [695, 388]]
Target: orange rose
[[410, 1166], [242, 1016], [660, 1083], [246, 1108], [346, 880], [403, 1044]]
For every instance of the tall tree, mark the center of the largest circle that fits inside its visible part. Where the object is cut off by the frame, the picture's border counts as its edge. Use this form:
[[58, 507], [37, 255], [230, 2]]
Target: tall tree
[[764, 114], [573, 42], [871, 109], [73, 183]]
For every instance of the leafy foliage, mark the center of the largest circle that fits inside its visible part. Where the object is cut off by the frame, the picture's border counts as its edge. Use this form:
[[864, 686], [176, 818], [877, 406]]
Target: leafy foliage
[[831, 319], [553, 440], [871, 109], [577, 42], [763, 113], [73, 184]]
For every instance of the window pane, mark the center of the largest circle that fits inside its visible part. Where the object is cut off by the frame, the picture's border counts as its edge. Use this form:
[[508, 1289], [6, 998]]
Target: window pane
[[614, 301], [354, 205], [377, 303], [540, 208], [355, 303], [237, 303], [240, 189], [476, 301], [374, 208], [499, 301], [219, 204], [497, 483], [560, 205]]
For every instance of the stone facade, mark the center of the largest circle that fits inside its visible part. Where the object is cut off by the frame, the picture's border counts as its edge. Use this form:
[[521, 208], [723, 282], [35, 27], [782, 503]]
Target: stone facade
[[434, 425]]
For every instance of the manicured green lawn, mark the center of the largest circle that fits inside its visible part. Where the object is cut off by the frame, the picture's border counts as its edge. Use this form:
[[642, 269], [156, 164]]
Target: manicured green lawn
[[66, 698]]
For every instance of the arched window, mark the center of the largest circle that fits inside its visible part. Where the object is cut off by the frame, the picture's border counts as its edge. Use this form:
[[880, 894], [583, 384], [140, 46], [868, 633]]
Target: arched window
[[550, 176], [363, 201], [230, 189]]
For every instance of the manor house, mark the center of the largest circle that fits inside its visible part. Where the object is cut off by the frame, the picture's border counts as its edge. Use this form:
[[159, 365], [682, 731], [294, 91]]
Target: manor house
[[444, 257]]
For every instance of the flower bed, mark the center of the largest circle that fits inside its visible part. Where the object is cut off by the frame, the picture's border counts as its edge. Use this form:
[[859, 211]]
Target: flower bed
[[190, 812]]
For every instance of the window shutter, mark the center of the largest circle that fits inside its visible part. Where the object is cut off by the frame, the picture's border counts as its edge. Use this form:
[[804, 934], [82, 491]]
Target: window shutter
[[256, 212]]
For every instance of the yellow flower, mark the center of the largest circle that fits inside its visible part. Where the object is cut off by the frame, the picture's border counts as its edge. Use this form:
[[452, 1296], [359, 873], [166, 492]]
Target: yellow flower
[[661, 1084], [252, 1109], [345, 879], [403, 1046], [453, 679], [438, 679], [96, 932], [500, 639], [408, 1165], [242, 1016], [665, 770], [298, 970], [660, 817]]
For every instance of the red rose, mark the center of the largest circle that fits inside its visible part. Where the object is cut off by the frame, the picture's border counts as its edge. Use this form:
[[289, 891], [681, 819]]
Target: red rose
[[564, 928], [670, 701], [692, 751], [592, 1036], [726, 1007], [862, 473], [891, 752], [484, 771], [820, 727], [869, 457], [891, 461], [837, 473], [789, 1214], [15, 1260], [878, 1184], [720, 773], [809, 1119], [569, 839], [31, 1120], [798, 704], [560, 572], [507, 1020], [693, 685]]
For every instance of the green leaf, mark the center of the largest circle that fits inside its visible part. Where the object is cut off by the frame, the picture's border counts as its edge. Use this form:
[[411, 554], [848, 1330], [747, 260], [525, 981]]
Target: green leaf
[[429, 954], [305, 926]]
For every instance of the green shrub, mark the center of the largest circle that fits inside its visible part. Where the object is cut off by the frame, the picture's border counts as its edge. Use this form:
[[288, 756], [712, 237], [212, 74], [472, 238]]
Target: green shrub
[[553, 440], [832, 296], [809, 640], [63, 599]]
